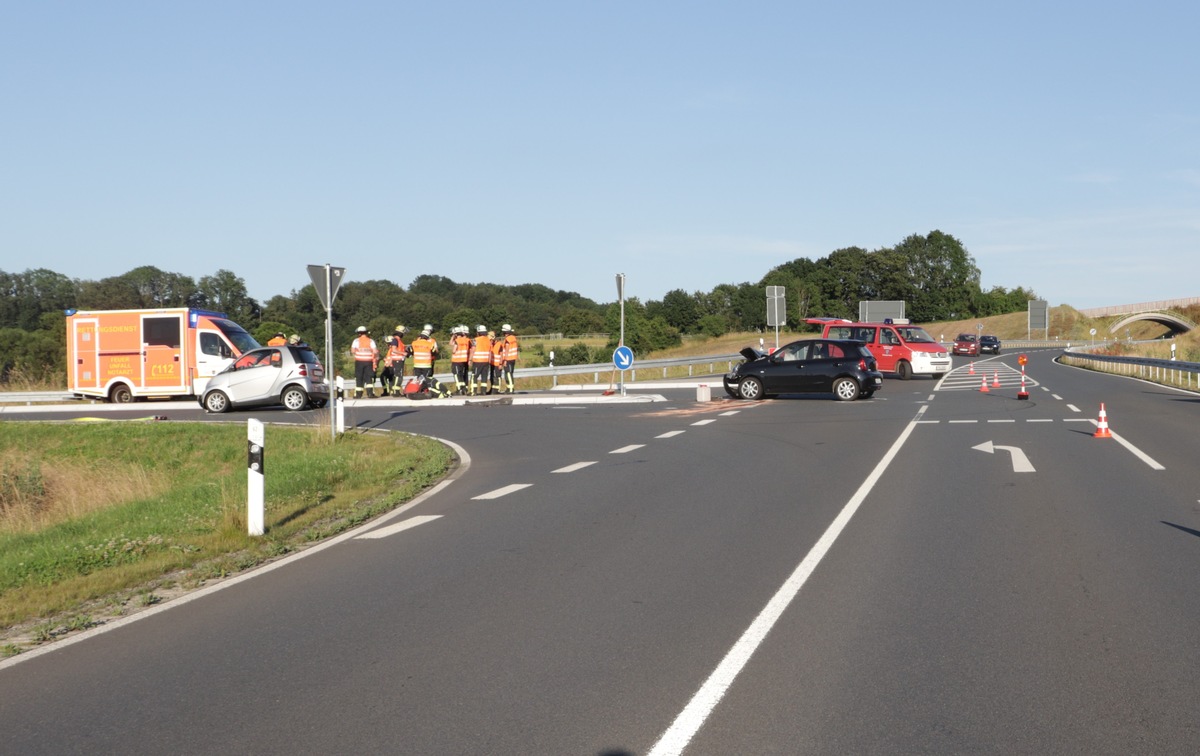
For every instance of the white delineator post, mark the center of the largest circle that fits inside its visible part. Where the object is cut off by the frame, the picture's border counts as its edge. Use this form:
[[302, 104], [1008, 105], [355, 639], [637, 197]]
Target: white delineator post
[[254, 482], [340, 413]]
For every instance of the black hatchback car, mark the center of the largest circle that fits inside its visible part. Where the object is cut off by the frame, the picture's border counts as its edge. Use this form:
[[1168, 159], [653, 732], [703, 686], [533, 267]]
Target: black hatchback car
[[989, 344], [845, 369]]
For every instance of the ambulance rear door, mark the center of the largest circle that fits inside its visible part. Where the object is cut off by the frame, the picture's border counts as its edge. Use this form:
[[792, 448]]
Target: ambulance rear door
[[163, 355]]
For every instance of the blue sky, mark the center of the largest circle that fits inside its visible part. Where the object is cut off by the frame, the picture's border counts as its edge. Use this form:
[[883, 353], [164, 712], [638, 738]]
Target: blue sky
[[685, 144]]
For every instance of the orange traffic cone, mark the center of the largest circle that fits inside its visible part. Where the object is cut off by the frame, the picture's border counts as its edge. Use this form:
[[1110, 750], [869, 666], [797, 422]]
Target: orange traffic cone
[[996, 379], [983, 386], [972, 370], [1102, 425]]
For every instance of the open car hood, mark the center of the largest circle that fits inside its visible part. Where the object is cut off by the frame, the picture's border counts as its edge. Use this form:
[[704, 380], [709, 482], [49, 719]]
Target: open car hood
[[751, 354]]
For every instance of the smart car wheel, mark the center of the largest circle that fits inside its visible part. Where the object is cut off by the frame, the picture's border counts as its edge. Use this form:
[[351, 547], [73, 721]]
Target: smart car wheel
[[216, 402], [750, 388], [903, 370], [846, 389], [294, 398]]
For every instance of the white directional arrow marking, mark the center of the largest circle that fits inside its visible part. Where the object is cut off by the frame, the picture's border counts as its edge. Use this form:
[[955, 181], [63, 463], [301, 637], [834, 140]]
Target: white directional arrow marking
[[1020, 462]]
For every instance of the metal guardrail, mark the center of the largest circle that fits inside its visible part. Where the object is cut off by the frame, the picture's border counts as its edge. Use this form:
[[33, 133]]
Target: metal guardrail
[[1176, 373]]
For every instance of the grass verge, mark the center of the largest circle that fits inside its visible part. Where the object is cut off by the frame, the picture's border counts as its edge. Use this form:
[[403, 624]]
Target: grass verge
[[97, 520]]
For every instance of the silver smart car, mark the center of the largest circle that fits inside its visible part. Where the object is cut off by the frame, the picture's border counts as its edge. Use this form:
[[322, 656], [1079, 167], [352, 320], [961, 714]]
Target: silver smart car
[[287, 375]]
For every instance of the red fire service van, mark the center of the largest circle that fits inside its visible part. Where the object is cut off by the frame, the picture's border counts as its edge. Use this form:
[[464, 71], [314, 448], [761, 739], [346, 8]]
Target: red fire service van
[[121, 355], [899, 348]]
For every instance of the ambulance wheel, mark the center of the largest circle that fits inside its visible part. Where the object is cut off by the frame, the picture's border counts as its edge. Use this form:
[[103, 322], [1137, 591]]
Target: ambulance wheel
[[903, 370], [294, 398], [216, 402], [120, 394]]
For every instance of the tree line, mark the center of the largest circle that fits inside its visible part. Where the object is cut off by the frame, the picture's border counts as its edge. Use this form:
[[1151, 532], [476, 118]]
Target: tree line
[[934, 274]]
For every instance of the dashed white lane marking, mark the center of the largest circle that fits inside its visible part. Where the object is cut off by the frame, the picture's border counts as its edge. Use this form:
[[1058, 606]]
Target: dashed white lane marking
[[626, 449], [693, 716], [704, 422], [1072, 407], [411, 522], [952, 422], [670, 434], [1040, 420], [505, 491], [1002, 421], [1056, 396], [573, 468], [729, 413]]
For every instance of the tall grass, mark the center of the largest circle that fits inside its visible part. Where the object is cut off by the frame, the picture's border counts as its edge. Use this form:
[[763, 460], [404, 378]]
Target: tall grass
[[89, 510]]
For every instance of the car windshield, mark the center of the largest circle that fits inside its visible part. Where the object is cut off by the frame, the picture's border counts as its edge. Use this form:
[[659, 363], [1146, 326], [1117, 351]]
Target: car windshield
[[237, 335], [915, 335]]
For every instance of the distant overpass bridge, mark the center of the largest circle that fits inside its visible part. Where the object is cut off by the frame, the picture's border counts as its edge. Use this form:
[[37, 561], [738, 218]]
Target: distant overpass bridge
[[1153, 311]]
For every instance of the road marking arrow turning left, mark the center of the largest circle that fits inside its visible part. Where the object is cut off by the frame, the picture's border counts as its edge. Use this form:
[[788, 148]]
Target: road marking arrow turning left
[[1020, 462]]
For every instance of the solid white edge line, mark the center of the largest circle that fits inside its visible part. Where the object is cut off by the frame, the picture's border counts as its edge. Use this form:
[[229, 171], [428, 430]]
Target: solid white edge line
[[230, 582], [1154, 465], [693, 716]]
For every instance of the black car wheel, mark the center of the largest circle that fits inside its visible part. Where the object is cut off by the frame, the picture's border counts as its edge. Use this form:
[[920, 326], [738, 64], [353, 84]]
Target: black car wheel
[[845, 389], [903, 370], [750, 388]]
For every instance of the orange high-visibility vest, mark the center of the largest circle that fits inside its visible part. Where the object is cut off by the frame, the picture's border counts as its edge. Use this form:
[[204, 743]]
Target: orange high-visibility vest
[[483, 349], [510, 348], [462, 349], [364, 349], [423, 348], [498, 353], [396, 351]]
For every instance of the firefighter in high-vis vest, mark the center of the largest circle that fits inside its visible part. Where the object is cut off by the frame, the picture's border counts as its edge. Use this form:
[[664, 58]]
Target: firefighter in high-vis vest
[[481, 361], [497, 362], [392, 376], [424, 351], [277, 340], [366, 361], [460, 358], [511, 352]]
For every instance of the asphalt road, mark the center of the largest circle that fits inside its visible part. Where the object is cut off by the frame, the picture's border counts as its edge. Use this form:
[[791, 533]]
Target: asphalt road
[[935, 570]]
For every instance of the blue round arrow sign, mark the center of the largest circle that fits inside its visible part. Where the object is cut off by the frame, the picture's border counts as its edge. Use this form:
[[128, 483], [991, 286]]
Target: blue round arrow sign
[[623, 358]]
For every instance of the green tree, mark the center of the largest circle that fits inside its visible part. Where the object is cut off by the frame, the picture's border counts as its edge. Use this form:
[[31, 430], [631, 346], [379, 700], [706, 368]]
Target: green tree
[[226, 292]]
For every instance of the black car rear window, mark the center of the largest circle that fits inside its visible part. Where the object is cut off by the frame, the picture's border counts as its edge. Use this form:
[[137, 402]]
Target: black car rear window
[[305, 356]]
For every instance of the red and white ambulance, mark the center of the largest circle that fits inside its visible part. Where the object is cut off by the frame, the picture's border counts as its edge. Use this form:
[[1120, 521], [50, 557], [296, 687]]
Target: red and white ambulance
[[122, 355], [900, 348]]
